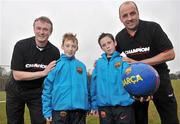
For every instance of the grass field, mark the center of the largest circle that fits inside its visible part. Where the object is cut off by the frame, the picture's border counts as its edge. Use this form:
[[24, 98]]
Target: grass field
[[153, 116]]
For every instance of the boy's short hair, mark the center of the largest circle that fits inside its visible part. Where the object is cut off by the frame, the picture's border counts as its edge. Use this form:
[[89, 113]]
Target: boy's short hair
[[44, 19], [69, 36], [105, 35]]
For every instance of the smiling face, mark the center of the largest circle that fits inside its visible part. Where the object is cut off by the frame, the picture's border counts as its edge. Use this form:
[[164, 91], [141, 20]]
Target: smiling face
[[42, 31], [70, 47], [129, 15], [108, 45]]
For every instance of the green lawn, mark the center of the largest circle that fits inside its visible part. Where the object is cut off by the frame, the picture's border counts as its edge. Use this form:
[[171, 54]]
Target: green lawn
[[153, 116]]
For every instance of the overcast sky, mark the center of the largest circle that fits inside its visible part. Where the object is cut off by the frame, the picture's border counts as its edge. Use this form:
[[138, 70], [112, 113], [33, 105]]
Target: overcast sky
[[86, 18]]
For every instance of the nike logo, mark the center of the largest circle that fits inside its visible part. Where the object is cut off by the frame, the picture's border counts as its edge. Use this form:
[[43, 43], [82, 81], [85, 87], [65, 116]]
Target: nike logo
[[123, 117]]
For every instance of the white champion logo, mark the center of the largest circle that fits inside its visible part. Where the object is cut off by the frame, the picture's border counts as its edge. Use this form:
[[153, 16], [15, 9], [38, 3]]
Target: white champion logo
[[42, 66], [138, 50]]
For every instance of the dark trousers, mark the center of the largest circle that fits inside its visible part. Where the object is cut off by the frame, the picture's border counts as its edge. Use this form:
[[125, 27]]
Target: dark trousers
[[69, 117], [16, 98], [165, 103], [116, 115]]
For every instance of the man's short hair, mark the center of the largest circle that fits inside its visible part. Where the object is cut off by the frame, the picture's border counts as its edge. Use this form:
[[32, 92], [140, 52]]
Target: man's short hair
[[44, 19]]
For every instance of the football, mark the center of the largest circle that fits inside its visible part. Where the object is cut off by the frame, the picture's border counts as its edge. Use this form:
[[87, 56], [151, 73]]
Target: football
[[140, 79]]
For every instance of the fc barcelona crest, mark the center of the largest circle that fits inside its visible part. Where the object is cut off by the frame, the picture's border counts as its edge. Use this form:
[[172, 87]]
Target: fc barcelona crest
[[79, 70], [117, 64], [128, 70]]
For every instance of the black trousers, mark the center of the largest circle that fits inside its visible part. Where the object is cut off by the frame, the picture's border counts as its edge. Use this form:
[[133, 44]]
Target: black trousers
[[16, 98], [69, 117], [116, 115], [164, 101]]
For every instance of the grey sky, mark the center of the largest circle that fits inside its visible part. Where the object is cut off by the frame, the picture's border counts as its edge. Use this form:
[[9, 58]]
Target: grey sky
[[86, 18]]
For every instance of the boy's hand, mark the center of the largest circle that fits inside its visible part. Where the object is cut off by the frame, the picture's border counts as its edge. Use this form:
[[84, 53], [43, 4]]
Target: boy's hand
[[94, 113], [49, 119], [143, 98]]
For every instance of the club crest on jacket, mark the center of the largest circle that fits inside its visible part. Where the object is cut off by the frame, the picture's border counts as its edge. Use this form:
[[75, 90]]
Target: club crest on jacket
[[79, 70]]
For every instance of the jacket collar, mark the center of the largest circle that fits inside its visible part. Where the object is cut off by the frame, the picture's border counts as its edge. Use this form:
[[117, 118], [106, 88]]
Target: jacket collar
[[65, 57], [114, 55]]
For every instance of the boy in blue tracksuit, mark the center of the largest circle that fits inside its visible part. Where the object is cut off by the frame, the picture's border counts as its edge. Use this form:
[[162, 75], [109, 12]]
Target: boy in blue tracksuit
[[113, 102], [65, 92]]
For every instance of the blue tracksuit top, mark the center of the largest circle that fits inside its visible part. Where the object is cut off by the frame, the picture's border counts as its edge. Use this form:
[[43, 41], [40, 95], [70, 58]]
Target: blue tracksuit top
[[106, 83], [65, 87]]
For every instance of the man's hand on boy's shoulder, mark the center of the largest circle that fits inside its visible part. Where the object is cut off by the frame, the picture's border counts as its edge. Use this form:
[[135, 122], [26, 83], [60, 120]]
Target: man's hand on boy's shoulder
[[128, 60]]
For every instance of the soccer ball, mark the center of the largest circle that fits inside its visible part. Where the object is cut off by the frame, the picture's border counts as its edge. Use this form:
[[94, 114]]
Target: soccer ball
[[140, 79]]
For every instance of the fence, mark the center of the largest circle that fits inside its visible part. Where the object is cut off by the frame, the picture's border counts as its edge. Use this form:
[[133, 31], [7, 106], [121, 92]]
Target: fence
[[4, 76], [3, 82]]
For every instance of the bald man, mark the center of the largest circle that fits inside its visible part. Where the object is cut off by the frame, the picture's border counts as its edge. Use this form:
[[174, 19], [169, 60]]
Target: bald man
[[145, 41]]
